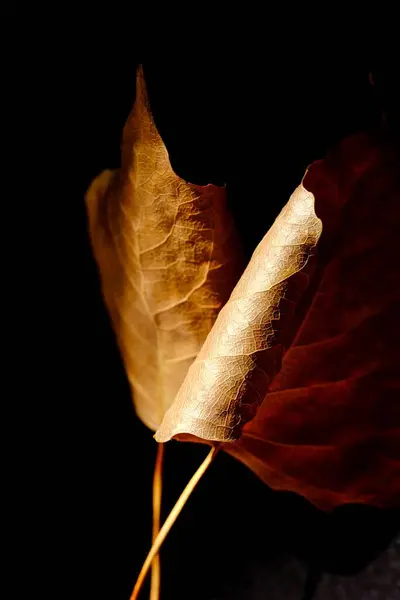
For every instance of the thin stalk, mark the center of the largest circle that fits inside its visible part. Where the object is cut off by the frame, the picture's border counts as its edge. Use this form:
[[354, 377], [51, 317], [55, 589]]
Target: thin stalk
[[157, 495], [170, 520]]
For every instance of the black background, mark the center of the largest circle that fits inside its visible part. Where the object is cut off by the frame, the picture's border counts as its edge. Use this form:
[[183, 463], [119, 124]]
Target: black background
[[253, 118]]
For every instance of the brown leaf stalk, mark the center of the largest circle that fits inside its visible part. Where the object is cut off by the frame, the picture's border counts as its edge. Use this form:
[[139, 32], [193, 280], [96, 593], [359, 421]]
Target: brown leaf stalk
[[157, 495], [170, 520]]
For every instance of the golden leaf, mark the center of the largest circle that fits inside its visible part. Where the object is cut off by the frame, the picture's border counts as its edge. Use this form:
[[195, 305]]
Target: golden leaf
[[168, 257], [242, 353]]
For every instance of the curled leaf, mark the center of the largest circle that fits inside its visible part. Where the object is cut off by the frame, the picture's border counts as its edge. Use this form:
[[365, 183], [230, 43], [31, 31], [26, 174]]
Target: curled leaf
[[168, 257], [231, 374]]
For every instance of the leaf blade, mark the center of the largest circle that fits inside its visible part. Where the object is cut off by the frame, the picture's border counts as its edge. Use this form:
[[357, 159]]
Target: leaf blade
[[242, 352], [168, 257]]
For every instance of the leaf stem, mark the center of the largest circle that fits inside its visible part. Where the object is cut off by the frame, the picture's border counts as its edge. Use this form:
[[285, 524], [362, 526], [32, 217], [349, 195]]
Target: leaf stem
[[157, 495], [170, 520]]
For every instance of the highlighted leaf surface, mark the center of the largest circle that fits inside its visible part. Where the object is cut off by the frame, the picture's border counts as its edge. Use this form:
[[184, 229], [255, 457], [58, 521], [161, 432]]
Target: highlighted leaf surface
[[168, 257], [231, 374]]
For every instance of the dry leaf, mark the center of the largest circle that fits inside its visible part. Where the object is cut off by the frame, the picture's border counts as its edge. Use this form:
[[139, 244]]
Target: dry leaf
[[329, 426], [168, 258], [231, 374]]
